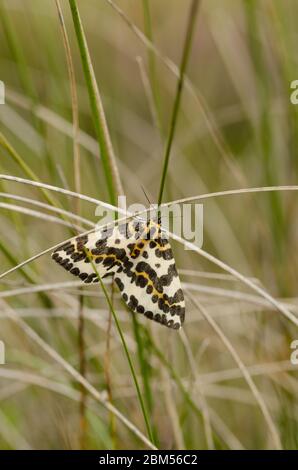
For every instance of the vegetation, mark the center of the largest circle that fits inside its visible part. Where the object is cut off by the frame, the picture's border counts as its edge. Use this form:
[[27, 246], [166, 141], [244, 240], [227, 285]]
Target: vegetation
[[177, 100]]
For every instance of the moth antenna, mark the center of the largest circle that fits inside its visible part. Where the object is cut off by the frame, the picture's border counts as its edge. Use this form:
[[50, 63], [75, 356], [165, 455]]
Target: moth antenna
[[145, 194]]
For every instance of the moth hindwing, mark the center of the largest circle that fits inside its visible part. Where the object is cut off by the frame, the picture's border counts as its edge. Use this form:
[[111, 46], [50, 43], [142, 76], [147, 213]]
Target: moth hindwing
[[140, 258]]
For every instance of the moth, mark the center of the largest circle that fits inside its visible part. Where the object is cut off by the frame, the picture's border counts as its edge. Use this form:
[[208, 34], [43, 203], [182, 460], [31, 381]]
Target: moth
[[139, 257]]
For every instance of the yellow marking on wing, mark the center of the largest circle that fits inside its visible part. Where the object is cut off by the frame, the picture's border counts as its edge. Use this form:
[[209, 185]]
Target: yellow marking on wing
[[142, 273], [138, 247], [104, 256], [163, 247]]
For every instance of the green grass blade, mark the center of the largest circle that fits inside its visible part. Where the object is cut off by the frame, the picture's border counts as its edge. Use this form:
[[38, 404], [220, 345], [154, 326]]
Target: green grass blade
[[17, 53], [26, 169], [185, 55], [143, 357], [28, 277], [105, 144], [152, 65], [143, 408]]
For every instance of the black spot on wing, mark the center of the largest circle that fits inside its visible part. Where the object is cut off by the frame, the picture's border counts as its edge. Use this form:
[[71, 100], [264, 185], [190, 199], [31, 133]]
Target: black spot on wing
[[167, 279], [81, 242], [119, 283], [165, 254]]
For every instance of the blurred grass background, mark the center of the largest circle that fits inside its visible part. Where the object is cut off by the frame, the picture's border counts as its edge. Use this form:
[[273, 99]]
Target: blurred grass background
[[237, 128]]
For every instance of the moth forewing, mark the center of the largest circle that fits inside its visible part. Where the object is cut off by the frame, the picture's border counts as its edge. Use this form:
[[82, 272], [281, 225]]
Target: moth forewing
[[141, 260]]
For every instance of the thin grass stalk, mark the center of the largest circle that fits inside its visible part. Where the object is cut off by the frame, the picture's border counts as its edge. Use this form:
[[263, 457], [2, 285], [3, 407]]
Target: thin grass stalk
[[281, 308], [152, 66], [48, 207], [143, 354], [74, 105], [75, 374], [264, 133], [161, 356], [25, 274], [25, 76], [149, 95], [11, 434], [105, 144], [66, 192], [26, 169], [19, 227], [107, 368], [225, 433], [201, 396], [215, 133], [17, 53], [48, 116], [176, 106], [40, 215], [246, 375], [82, 369], [217, 423], [231, 192], [143, 351], [278, 306], [77, 185], [171, 407], [134, 376]]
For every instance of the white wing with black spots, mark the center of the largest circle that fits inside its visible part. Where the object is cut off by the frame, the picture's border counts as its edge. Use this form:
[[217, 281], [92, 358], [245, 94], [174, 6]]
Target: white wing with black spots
[[140, 258]]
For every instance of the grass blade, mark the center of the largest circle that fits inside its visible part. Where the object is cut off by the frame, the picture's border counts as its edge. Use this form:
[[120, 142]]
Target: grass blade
[[143, 408], [105, 144], [176, 106]]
